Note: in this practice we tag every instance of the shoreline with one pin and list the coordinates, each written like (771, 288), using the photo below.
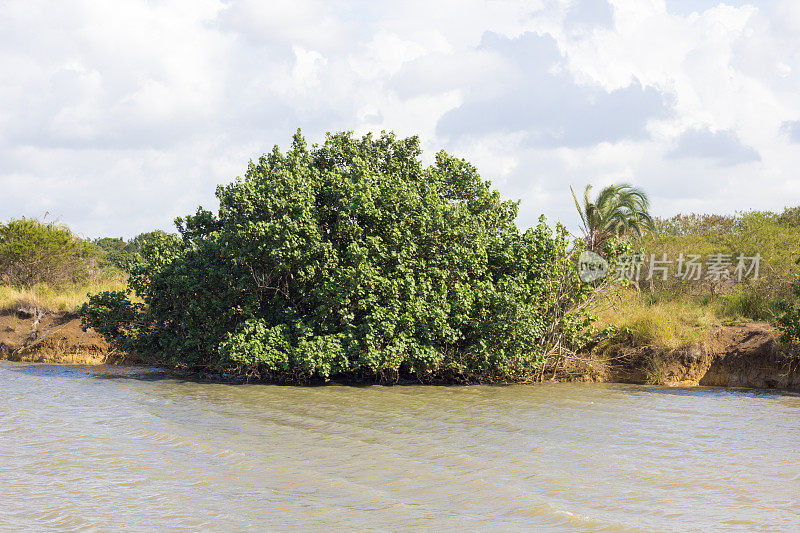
(55, 338)
(746, 355)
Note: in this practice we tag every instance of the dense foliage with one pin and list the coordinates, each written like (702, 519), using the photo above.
(34, 252)
(775, 237)
(352, 259)
(789, 314)
(617, 211)
(121, 253)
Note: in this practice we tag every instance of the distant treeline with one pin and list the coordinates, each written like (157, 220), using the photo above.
(34, 252)
(709, 224)
(121, 253)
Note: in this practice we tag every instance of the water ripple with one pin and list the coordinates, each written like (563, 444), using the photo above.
(126, 449)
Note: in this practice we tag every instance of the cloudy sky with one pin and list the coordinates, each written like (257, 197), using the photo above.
(118, 116)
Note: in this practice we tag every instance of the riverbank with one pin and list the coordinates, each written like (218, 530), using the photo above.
(27, 334)
(743, 355)
(740, 355)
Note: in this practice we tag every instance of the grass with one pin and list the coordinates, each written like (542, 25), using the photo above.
(745, 305)
(669, 314)
(671, 321)
(649, 321)
(67, 298)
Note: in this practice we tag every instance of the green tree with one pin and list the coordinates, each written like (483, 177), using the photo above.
(120, 253)
(34, 252)
(616, 211)
(110, 244)
(137, 243)
(352, 259)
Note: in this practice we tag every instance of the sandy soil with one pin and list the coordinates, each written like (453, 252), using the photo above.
(745, 355)
(54, 338)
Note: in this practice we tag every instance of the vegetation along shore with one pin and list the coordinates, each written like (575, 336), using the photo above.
(352, 261)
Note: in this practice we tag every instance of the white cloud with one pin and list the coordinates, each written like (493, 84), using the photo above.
(722, 146)
(120, 116)
(303, 76)
(791, 128)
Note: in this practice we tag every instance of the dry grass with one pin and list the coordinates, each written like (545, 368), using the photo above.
(667, 324)
(67, 298)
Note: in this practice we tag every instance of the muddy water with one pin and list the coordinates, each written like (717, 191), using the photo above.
(131, 449)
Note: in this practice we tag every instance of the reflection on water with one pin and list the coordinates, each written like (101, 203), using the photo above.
(133, 449)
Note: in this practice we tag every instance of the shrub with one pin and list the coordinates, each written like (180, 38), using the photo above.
(34, 252)
(773, 236)
(119, 253)
(788, 319)
(110, 244)
(353, 259)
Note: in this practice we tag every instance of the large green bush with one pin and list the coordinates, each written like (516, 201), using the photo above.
(352, 259)
(34, 252)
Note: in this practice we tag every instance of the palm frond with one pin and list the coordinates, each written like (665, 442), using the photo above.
(616, 210)
(580, 211)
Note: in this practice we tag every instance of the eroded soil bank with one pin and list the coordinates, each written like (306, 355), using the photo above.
(747, 355)
(53, 338)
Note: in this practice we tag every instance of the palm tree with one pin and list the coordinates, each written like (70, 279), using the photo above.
(617, 210)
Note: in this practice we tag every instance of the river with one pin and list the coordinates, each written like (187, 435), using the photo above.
(132, 449)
